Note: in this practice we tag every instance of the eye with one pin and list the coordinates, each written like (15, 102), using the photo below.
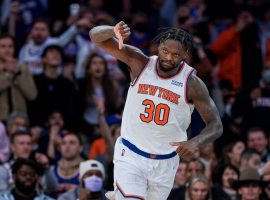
(165, 51)
(176, 55)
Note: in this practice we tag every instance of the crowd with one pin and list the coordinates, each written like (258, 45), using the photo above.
(61, 97)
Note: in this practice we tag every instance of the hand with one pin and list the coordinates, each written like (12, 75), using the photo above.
(100, 105)
(36, 133)
(121, 31)
(83, 23)
(42, 159)
(85, 194)
(10, 65)
(187, 150)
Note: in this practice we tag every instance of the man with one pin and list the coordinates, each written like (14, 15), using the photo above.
(257, 139)
(17, 121)
(55, 93)
(21, 148)
(16, 83)
(92, 175)
(66, 170)
(30, 53)
(26, 175)
(162, 95)
(249, 186)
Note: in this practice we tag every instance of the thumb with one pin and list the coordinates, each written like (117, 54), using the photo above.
(120, 43)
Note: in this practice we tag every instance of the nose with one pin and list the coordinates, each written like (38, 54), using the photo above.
(169, 56)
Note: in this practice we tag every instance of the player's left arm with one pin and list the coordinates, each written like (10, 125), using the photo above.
(198, 94)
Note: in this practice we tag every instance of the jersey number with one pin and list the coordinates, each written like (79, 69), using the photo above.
(160, 112)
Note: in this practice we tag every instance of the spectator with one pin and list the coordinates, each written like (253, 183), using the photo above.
(66, 170)
(26, 174)
(21, 148)
(16, 83)
(194, 167)
(250, 158)
(181, 175)
(55, 93)
(39, 39)
(257, 139)
(95, 88)
(92, 175)
(198, 188)
(224, 177)
(232, 152)
(4, 144)
(237, 50)
(249, 185)
(17, 121)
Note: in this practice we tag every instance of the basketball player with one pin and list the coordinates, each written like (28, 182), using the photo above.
(161, 97)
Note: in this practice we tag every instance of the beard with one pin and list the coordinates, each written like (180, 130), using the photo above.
(25, 189)
(165, 69)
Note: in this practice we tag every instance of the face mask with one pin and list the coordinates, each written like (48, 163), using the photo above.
(266, 76)
(93, 183)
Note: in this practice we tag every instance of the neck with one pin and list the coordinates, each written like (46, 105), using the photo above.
(51, 71)
(166, 72)
(71, 162)
(96, 81)
(21, 193)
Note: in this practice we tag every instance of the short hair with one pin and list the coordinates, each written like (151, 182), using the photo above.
(247, 153)
(177, 34)
(16, 114)
(74, 134)
(40, 20)
(19, 132)
(5, 35)
(256, 129)
(31, 163)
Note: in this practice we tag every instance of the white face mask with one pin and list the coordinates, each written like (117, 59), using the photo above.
(93, 183)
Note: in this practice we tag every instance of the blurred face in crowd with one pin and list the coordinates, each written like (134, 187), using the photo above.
(198, 191)
(97, 67)
(228, 175)
(70, 147)
(53, 58)
(250, 191)
(207, 150)
(56, 119)
(21, 146)
(90, 173)
(6, 48)
(25, 179)
(17, 123)
(235, 154)
(257, 140)
(180, 176)
(253, 162)
(40, 32)
(193, 168)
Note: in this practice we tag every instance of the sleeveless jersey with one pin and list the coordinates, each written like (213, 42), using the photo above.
(157, 111)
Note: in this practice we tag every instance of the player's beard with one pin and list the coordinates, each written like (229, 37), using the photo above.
(165, 69)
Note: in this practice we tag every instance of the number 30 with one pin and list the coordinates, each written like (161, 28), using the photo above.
(153, 112)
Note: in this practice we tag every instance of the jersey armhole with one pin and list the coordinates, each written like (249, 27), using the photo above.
(141, 72)
(186, 86)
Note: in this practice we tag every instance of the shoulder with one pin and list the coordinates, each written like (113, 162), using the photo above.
(196, 87)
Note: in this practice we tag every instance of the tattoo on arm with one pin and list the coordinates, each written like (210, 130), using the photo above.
(199, 95)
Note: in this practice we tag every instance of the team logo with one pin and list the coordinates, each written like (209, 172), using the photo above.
(123, 152)
(179, 84)
(153, 156)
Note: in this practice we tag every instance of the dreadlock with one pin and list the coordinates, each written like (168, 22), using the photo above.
(177, 34)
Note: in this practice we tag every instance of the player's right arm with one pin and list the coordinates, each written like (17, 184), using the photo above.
(111, 40)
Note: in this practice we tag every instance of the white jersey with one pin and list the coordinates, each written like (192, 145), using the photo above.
(157, 111)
